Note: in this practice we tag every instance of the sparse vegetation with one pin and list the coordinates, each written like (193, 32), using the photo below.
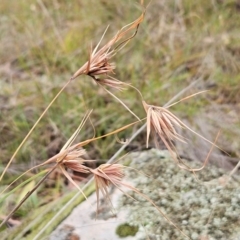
(44, 43)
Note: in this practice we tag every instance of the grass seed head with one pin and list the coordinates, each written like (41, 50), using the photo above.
(111, 82)
(109, 173)
(99, 59)
(105, 175)
(163, 122)
(74, 160)
(71, 153)
(76, 166)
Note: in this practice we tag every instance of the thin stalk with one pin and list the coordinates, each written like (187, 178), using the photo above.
(122, 103)
(135, 89)
(235, 169)
(31, 130)
(162, 213)
(27, 196)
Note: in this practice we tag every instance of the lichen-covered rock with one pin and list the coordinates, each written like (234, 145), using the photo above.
(203, 205)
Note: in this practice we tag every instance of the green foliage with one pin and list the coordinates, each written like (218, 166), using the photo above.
(125, 230)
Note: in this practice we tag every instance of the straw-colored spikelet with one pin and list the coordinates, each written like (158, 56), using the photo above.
(74, 161)
(72, 158)
(163, 123)
(105, 175)
(99, 59)
(111, 82)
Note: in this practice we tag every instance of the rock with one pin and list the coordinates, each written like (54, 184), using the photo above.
(199, 204)
(196, 203)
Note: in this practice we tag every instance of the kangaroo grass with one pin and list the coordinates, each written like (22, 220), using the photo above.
(68, 157)
(111, 160)
(159, 120)
(98, 64)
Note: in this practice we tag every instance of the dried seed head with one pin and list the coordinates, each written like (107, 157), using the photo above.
(109, 173)
(97, 64)
(71, 153)
(163, 122)
(76, 166)
(105, 175)
(72, 158)
(99, 60)
(111, 82)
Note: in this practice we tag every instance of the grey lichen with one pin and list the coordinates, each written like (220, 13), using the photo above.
(200, 204)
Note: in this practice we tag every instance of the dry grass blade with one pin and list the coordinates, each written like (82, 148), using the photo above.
(207, 158)
(27, 196)
(66, 174)
(185, 98)
(122, 103)
(67, 157)
(31, 130)
(81, 144)
(74, 135)
(161, 212)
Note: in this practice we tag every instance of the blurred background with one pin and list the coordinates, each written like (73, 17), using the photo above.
(42, 43)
